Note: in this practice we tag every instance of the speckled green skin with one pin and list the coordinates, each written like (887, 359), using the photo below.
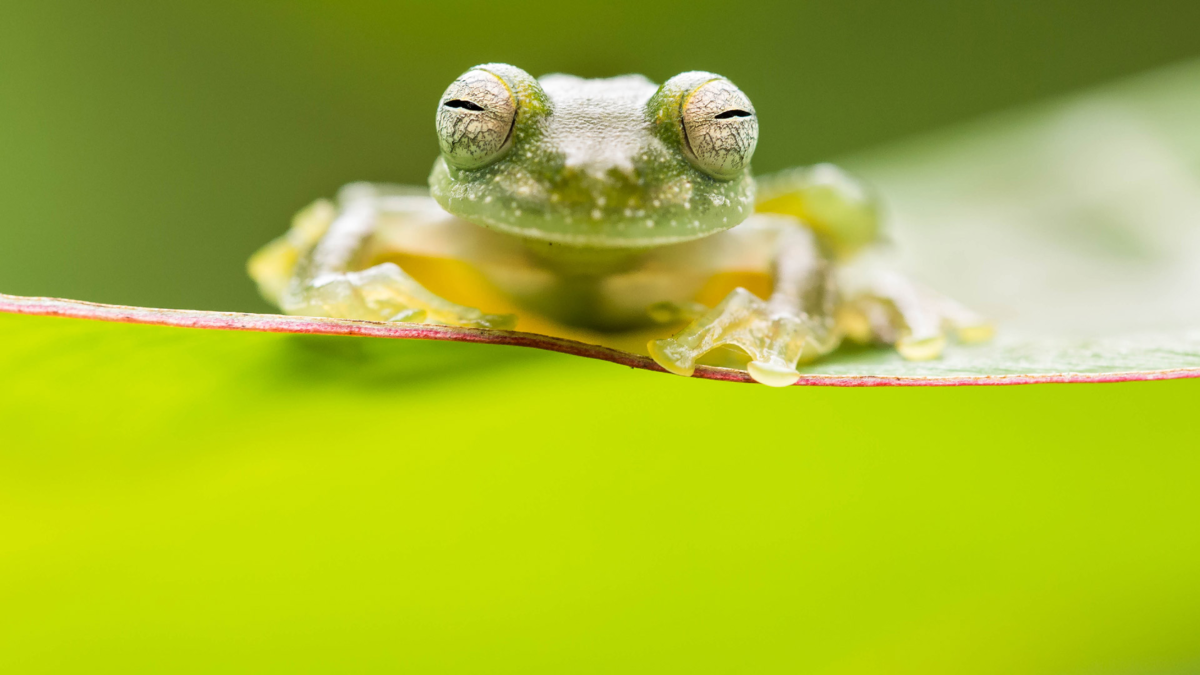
(595, 166)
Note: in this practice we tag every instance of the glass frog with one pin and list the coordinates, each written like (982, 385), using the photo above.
(612, 205)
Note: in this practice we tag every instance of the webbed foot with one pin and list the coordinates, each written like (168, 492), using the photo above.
(383, 293)
(777, 340)
(893, 310)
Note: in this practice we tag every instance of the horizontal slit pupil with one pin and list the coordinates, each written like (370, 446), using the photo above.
(732, 113)
(466, 105)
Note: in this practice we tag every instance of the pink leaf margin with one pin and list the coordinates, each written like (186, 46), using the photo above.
(304, 325)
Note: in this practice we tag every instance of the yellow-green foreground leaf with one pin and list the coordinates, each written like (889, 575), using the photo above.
(1007, 361)
(178, 500)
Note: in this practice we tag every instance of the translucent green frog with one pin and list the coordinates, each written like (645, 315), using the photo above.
(611, 205)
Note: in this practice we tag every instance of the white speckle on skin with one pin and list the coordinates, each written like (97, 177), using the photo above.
(649, 223)
(597, 214)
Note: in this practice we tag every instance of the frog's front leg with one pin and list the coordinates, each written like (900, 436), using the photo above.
(316, 269)
(878, 304)
(805, 317)
(795, 324)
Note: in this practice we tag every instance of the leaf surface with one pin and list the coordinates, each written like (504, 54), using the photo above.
(1155, 357)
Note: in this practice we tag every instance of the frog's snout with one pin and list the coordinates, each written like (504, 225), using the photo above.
(598, 188)
(603, 152)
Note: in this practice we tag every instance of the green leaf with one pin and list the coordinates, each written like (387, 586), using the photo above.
(176, 500)
(1004, 361)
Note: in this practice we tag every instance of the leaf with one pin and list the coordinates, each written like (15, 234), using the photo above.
(176, 500)
(1002, 362)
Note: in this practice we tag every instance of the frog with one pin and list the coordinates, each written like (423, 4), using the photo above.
(612, 205)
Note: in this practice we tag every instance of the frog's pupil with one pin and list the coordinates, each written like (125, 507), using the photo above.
(466, 105)
(732, 113)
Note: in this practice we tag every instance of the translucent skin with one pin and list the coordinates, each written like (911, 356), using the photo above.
(609, 204)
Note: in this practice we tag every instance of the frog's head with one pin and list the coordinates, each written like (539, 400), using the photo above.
(595, 163)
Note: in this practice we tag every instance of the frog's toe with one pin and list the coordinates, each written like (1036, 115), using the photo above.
(726, 324)
(385, 293)
(473, 318)
(776, 341)
(968, 326)
(773, 373)
(672, 355)
(912, 318)
(337, 296)
(921, 349)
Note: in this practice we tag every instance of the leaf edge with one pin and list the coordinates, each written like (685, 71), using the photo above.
(304, 325)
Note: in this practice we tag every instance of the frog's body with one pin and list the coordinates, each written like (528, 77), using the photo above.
(611, 204)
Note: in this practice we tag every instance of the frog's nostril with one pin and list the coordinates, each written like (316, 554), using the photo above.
(732, 113)
(465, 105)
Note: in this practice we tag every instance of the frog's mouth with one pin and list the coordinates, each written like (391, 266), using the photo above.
(616, 208)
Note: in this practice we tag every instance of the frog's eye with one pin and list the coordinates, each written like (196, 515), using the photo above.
(720, 129)
(475, 120)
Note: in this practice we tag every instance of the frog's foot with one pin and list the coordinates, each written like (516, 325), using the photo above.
(273, 265)
(893, 310)
(384, 293)
(777, 340)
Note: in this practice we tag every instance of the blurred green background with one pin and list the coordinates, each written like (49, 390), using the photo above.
(189, 501)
